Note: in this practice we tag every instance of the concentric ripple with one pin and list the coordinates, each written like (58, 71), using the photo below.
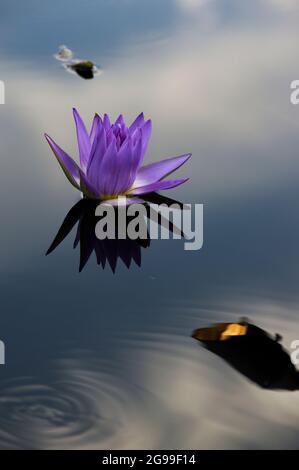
(82, 408)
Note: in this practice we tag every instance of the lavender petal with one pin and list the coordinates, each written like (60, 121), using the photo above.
(156, 171)
(157, 186)
(69, 167)
(84, 144)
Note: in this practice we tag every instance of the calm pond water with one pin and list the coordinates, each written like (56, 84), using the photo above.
(101, 360)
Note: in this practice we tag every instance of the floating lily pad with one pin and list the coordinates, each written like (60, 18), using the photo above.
(253, 352)
(85, 69)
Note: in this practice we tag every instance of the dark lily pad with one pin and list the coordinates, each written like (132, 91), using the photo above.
(253, 352)
(85, 69)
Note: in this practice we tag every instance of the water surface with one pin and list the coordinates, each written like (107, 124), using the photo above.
(102, 360)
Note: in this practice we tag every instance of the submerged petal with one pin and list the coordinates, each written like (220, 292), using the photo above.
(69, 167)
(157, 186)
(156, 171)
(84, 144)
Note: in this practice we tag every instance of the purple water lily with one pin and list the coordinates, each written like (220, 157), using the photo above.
(111, 157)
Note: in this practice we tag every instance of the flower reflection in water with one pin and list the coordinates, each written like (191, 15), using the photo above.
(253, 352)
(107, 251)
